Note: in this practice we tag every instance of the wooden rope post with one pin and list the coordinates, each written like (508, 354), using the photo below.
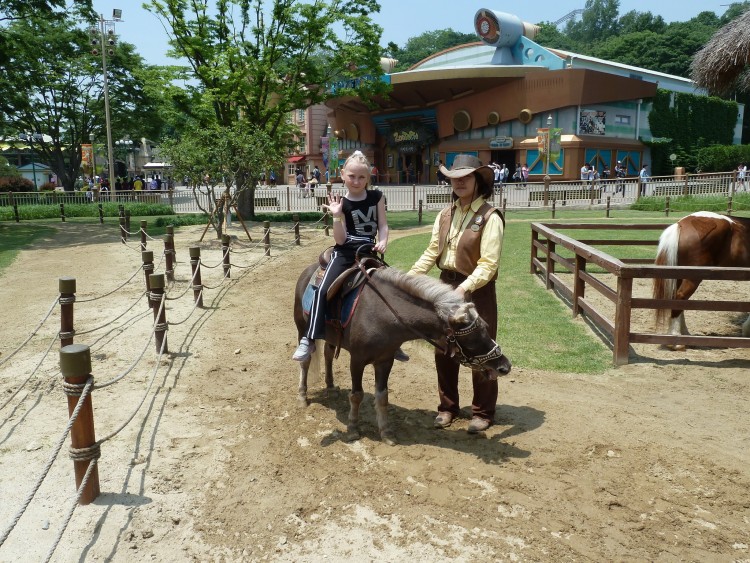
(144, 224)
(419, 212)
(267, 237)
(75, 365)
(195, 269)
(227, 267)
(123, 230)
(170, 231)
(169, 256)
(121, 210)
(609, 202)
(160, 331)
(295, 218)
(729, 205)
(666, 206)
(62, 212)
(126, 213)
(554, 202)
(326, 228)
(101, 214)
(505, 204)
(67, 287)
(147, 256)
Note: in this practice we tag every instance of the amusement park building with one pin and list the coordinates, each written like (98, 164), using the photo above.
(489, 98)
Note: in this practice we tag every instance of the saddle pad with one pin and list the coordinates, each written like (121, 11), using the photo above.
(347, 307)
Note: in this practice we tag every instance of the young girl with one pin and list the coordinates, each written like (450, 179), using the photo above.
(357, 217)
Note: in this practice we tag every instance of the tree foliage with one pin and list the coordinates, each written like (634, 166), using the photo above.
(259, 61)
(426, 44)
(51, 84)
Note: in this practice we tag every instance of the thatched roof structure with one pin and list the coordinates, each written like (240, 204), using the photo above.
(722, 65)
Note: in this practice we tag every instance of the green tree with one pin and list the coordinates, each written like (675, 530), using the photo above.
(599, 21)
(428, 43)
(52, 85)
(633, 22)
(259, 61)
(217, 158)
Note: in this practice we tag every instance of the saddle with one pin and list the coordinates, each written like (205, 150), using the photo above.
(342, 296)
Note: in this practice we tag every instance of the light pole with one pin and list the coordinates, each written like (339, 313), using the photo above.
(127, 145)
(106, 40)
(30, 137)
(546, 159)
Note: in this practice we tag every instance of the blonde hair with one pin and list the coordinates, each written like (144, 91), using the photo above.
(357, 157)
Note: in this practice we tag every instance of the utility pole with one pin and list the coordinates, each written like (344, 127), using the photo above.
(106, 40)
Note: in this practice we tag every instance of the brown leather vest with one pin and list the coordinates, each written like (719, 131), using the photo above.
(468, 248)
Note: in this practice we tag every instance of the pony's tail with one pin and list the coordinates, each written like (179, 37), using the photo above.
(313, 371)
(666, 255)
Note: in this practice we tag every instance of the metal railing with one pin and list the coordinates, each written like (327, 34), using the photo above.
(431, 197)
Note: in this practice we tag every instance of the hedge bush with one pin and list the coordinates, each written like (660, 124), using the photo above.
(16, 184)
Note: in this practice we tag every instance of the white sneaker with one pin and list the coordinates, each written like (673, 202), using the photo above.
(304, 350)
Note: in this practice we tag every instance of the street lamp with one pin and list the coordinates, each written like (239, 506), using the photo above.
(30, 138)
(127, 145)
(106, 41)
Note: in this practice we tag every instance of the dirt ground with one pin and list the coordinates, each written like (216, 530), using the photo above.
(646, 462)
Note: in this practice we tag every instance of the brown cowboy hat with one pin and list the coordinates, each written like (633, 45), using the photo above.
(465, 164)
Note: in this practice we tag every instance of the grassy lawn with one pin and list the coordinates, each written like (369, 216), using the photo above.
(14, 237)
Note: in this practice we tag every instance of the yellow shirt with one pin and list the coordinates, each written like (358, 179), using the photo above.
(490, 247)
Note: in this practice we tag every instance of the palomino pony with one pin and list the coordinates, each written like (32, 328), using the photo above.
(700, 239)
(393, 308)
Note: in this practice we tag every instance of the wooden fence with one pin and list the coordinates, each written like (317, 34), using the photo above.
(548, 262)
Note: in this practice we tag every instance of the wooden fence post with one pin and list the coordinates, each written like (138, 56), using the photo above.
(621, 335)
(295, 218)
(126, 213)
(62, 212)
(168, 255)
(195, 268)
(420, 212)
(554, 202)
(144, 224)
(729, 205)
(67, 288)
(666, 206)
(267, 237)
(609, 198)
(101, 214)
(160, 331)
(505, 204)
(170, 231)
(75, 365)
(227, 264)
(147, 257)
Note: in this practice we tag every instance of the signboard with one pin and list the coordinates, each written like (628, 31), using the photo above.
(87, 155)
(501, 143)
(592, 122)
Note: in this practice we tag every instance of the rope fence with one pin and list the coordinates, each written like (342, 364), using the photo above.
(75, 362)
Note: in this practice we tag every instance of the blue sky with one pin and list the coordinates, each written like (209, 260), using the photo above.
(402, 19)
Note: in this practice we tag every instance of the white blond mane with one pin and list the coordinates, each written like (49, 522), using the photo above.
(424, 287)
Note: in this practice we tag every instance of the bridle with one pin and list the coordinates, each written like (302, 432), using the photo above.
(452, 336)
(476, 362)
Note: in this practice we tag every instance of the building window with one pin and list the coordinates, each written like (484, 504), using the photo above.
(300, 116)
(622, 119)
(302, 144)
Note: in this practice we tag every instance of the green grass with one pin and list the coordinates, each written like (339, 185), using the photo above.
(536, 329)
(16, 236)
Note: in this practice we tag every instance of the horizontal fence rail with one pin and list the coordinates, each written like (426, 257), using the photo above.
(283, 198)
(548, 262)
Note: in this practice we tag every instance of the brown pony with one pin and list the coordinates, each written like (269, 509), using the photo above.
(392, 309)
(700, 239)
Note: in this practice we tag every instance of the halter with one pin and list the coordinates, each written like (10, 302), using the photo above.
(472, 361)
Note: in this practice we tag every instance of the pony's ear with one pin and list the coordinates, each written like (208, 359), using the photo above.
(464, 314)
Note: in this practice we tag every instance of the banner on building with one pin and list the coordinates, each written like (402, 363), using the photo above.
(592, 122)
(542, 137)
(555, 135)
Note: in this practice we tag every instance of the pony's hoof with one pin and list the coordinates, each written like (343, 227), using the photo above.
(302, 402)
(389, 439)
(352, 435)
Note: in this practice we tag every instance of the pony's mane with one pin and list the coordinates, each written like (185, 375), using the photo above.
(424, 287)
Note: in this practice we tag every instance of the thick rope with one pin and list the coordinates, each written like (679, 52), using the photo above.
(87, 388)
(115, 289)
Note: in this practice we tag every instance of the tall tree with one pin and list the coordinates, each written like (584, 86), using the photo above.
(52, 85)
(259, 61)
(599, 21)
